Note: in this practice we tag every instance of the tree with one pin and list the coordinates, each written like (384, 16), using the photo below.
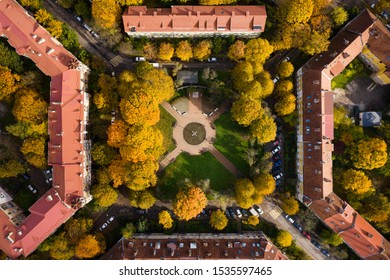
(356, 182)
(253, 221)
(202, 50)
(369, 153)
(117, 133)
(66, 3)
(150, 50)
(34, 4)
(38, 161)
(245, 110)
(104, 195)
(106, 13)
(24, 130)
(218, 220)
(11, 168)
(263, 129)
(165, 51)
(339, 16)
(88, 247)
(9, 58)
(264, 183)
(290, 205)
(77, 228)
(83, 9)
(8, 83)
(257, 51)
(246, 193)
(59, 247)
(284, 239)
(284, 87)
(103, 176)
(165, 219)
(129, 2)
(237, 50)
(117, 170)
(33, 146)
(159, 85)
(142, 199)
(141, 175)
(54, 27)
(316, 42)
(128, 231)
(184, 51)
(142, 143)
(102, 154)
(331, 238)
(267, 85)
(285, 69)
(253, 90)
(43, 16)
(106, 97)
(189, 202)
(29, 107)
(296, 11)
(286, 105)
(242, 75)
(376, 208)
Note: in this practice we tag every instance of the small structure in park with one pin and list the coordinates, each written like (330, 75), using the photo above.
(188, 77)
(369, 119)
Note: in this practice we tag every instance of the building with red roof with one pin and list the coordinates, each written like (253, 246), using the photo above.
(195, 246)
(68, 147)
(360, 37)
(189, 21)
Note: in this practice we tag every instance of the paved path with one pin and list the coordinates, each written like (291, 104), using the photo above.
(195, 114)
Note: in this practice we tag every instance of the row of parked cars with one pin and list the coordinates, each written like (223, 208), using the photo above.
(106, 223)
(277, 169)
(307, 235)
(86, 26)
(239, 213)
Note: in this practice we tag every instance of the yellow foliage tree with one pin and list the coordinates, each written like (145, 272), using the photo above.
(284, 239)
(60, 249)
(218, 220)
(356, 182)
(54, 27)
(285, 69)
(129, 2)
(189, 203)
(117, 169)
(142, 175)
(290, 205)
(246, 193)
(286, 105)
(369, 154)
(257, 51)
(263, 129)
(150, 50)
(117, 133)
(8, 83)
(43, 16)
(242, 75)
(104, 195)
(142, 199)
(88, 247)
(202, 50)
(296, 11)
(140, 109)
(283, 87)
(166, 51)
(158, 84)
(33, 146)
(237, 50)
(253, 221)
(165, 219)
(267, 85)
(29, 107)
(184, 50)
(264, 183)
(106, 13)
(245, 110)
(11, 168)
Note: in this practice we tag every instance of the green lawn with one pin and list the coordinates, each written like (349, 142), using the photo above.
(165, 125)
(355, 69)
(195, 168)
(231, 140)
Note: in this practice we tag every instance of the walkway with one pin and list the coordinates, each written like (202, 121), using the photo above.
(194, 114)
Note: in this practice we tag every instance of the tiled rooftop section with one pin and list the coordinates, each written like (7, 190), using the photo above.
(195, 19)
(195, 246)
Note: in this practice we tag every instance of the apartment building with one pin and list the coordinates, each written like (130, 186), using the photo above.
(194, 21)
(68, 147)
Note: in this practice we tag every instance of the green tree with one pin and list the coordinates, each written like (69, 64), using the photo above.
(202, 50)
(104, 195)
(285, 69)
(89, 247)
(285, 105)
(59, 247)
(369, 153)
(24, 130)
(83, 9)
(245, 110)
(284, 239)
(165, 219)
(102, 154)
(66, 3)
(339, 16)
(237, 50)
(290, 205)
(189, 202)
(331, 238)
(184, 50)
(8, 83)
(106, 13)
(263, 129)
(356, 182)
(165, 51)
(218, 220)
(77, 228)
(142, 199)
(9, 58)
(128, 231)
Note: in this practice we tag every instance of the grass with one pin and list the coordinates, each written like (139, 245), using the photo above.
(231, 140)
(194, 133)
(195, 168)
(25, 199)
(355, 69)
(165, 125)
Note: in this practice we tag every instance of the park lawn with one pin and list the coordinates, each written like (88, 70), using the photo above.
(195, 168)
(165, 125)
(355, 69)
(232, 141)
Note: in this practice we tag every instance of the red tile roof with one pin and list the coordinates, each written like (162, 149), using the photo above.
(68, 111)
(195, 19)
(315, 148)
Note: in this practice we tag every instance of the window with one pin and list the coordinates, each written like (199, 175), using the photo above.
(309, 111)
(132, 29)
(256, 27)
(309, 96)
(307, 120)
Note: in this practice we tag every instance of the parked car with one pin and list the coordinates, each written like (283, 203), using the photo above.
(112, 218)
(227, 213)
(258, 209)
(315, 243)
(212, 59)
(244, 212)
(277, 142)
(238, 212)
(276, 157)
(286, 59)
(291, 220)
(26, 176)
(253, 212)
(276, 170)
(232, 213)
(78, 18)
(87, 27)
(306, 234)
(32, 189)
(278, 176)
(325, 252)
(298, 227)
(277, 149)
(275, 79)
(94, 34)
(140, 58)
(278, 163)
(103, 226)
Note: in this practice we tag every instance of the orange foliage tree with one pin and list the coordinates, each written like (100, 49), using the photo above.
(189, 202)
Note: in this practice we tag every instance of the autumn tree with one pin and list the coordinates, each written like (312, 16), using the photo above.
(66, 3)
(29, 107)
(285, 69)
(296, 11)
(257, 51)
(376, 208)
(150, 50)
(369, 153)
(142, 199)
(142, 143)
(43, 16)
(245, 110)
(102, 154)
(356, 182)
(253, 221)
(246, 193)
(189, 202)
(267, 85)
(60, 248)
(283, 88)
(106, 97)
(284, 239)
(202, 50)
(141, 175)
(8, 83)
(165, 219)
(117, 133)
(237, 50)
(54, 27)
(339, 16)
(263, 129)
(89, 247)
(331, 238)
(34, 4)
(184, 50)
(106, 13)
(264, 183)
(159, 85)
(104, 195)
(285, 105)
(77, 228)
(128, 231)
(218, 220)
(290, 205)
(165, 51)
(117, 170)
(103, 176)
(316, 42)
(129, 2)
(34, 151)
(242, 75)
(11, 168)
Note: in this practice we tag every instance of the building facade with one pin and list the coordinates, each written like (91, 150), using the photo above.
(194, 21)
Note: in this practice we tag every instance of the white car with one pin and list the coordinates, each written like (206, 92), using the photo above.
(277, 177)
(111, 219)
(239, 214)
(32, 189)
(140, 58)
(275, 79)
(286, 59)
(103, 226)
(277, 149)
(212, 59)
(258, 209)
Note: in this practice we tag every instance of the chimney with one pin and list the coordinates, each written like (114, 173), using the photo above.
(155, 13)
(140, 14)
(197, 13)
(233, 13)
(189, 13)
(247, 13)
(49, 198)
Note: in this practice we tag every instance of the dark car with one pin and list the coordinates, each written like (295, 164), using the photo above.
(276, 170)
(315, 243)
(276, 157)
(278, 163)
(325, 252)
(295, 224)
(26, 176)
